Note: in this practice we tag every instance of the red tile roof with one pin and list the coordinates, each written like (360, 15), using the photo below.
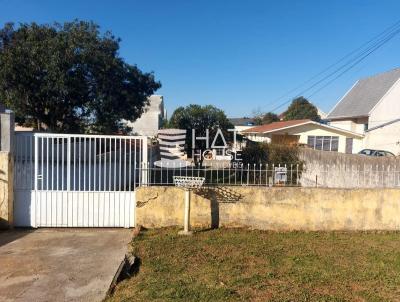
(275, 126)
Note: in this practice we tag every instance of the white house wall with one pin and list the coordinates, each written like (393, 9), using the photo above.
(386, 138)
(387, 109)
(356, 125)
(345, 125)
(151, 120)
(313, 130)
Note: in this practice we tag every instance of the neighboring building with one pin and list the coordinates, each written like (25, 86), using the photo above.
(242, 123)
(19, 128)
(306, 132)
(372, 108)
(322, 114)
(151, 120)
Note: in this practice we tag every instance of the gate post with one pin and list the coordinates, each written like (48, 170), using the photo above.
(6, 190)
(7, 170)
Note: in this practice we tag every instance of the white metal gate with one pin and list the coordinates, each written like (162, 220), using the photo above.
(77, 180)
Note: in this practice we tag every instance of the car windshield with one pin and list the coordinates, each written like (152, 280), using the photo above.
(366, 152)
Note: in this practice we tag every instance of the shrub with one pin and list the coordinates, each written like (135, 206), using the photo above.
(265, 153)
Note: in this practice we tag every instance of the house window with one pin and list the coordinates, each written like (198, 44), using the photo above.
(326, 143)
(366, 127)
(335, 143)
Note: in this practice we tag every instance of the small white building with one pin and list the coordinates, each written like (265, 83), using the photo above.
(308, 133)
(372, 108)
(242, 123)
(151, 120)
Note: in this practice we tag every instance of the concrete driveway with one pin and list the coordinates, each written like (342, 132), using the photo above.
(60, 264)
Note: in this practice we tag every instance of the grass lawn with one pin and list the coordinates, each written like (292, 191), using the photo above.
(244, 265)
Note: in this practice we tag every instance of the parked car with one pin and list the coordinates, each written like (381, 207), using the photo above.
(371, 152)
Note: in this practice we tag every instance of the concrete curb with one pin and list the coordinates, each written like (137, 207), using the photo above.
(125, 267)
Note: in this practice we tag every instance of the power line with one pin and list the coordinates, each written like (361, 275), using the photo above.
(354, 64)
(378, 41)
(367, 51)
(338, 61)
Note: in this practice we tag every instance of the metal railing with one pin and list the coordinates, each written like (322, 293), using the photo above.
(226, 175)
(72, 162)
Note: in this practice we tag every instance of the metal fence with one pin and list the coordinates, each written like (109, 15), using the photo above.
(220, 175)
(278, 175)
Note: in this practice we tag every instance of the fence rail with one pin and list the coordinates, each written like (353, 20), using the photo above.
(277, 175)
(246, 175)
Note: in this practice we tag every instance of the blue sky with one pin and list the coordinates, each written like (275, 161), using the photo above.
(237, 55)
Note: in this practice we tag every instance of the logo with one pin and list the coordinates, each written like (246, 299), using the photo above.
(215, 151)
(203, 148)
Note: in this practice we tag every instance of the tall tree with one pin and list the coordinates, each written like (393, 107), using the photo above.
(269, 118)
(301, 108)
(70, 78)
(200, 118)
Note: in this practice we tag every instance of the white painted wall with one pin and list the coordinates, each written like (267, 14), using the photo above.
(151, 120)
(354, 125)
(387, 109)
(385, 138)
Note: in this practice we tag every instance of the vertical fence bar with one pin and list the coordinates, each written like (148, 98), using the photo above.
(84, 164)
(47, 164)
(79, 163)
(248, 175)
(62, 164)
(134, 166)
(145, 160)
(94, 163)
(35, 175)
(90, 164)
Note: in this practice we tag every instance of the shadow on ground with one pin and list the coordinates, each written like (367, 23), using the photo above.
(218, 195)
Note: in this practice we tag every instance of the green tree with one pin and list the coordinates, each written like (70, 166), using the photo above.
(301, 108)
(265, 118)
(70, 78)
(269, 118)
(267, 153)
(200, 118)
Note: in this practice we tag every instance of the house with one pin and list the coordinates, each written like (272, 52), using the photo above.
(372, 108)
(151, 120)
(242, 123)
(306, 132)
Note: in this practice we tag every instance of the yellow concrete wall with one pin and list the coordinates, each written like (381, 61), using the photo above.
(277, 209)
(6, 190)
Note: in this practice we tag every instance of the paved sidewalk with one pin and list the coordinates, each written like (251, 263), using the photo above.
(60, 264)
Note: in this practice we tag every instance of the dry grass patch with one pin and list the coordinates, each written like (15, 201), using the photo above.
(245, 265)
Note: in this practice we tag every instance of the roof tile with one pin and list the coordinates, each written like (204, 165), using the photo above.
(275, 126)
